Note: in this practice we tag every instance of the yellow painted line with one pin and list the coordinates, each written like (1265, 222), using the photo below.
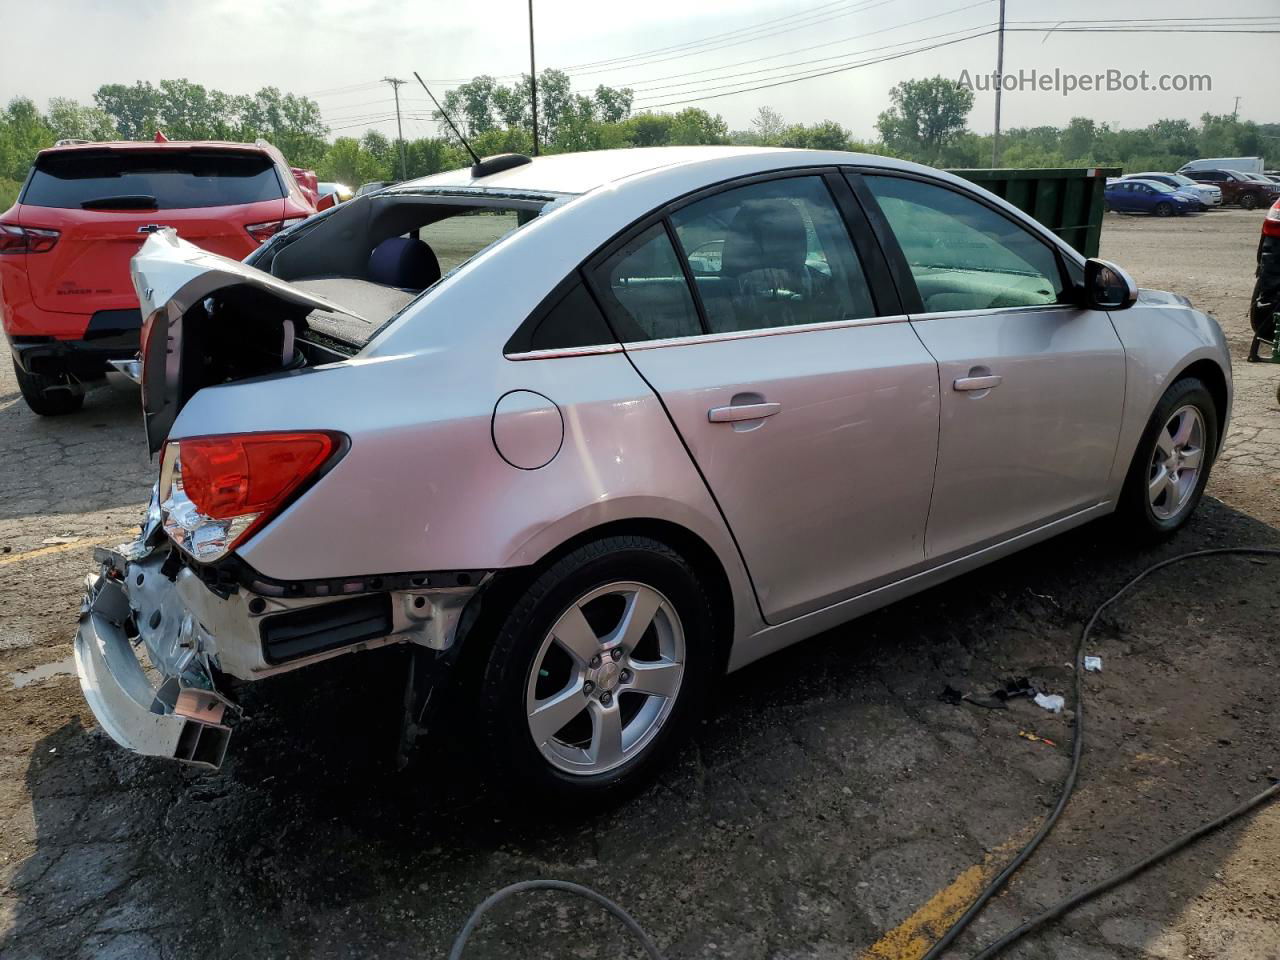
(912, 938)
(53, 548)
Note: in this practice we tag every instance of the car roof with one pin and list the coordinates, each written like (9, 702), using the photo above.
(577, 173)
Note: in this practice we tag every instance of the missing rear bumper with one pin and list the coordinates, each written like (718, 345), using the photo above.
(173, 720)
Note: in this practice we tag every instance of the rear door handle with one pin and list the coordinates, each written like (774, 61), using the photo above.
(978, 383)
(742, 411)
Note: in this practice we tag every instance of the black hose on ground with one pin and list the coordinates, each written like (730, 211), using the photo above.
(1068, 786)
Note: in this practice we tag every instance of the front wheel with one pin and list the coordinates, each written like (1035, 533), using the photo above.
(1249, 201)
(1171, 465)
(599, 670)
(1163, 209)
(49, 396)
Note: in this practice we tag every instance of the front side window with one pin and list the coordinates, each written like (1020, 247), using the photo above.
(772, 254)
(962, 254)
(644, 290)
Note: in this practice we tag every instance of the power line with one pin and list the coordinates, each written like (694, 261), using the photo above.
(838, 56)
(708, 48)
(819, 73)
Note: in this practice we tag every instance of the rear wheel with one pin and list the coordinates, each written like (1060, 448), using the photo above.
(1163, 208)
(598, 671)
(49, 396)
(1171, 465)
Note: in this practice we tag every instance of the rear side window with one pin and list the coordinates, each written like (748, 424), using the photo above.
(772, 254)
(151, 180)
(962, 254)
(644, 289)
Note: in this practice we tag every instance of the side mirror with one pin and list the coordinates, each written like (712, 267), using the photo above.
(1107, 287)
(327, 201)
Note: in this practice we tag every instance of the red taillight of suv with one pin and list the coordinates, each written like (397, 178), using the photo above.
(262, 232)
(215, 492)
(16, 239)
(1271, 225)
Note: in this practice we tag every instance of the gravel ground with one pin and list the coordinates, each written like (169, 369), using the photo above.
(831, 805)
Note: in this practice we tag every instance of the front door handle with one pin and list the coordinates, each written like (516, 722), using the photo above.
(978, 383)
(742, 411)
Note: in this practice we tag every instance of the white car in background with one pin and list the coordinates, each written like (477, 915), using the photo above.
(1206, 193)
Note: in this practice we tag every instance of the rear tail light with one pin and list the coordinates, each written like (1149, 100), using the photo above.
(1271, 225)
(16, 239)
(262, 232)
(216, 492)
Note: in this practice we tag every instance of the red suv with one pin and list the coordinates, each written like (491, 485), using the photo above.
(66, 298)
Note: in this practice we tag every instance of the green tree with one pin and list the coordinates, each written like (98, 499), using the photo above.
(827, 135)
(135, 109)
(925, 115)
(70, 121)
(693, 125)
(23, 133)
(768, 127)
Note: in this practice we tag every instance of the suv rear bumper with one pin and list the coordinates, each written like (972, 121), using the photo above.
(108, 335)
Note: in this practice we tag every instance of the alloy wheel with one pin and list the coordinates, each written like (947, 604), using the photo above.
(605, 678)
(1176, 463)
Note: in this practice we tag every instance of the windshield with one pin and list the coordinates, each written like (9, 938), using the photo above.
(151, 179)
(1159, 187)
(1182, 181)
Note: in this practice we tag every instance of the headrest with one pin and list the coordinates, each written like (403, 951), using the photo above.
(765, 233)
(403, 262)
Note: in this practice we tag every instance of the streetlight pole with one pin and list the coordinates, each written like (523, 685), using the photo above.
(395, 85)
(533, 82)
(995, 138)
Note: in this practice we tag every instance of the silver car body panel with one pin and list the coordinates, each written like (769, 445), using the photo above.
(425, 487)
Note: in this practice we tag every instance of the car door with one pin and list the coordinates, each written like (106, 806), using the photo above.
(1120, 197)
(1032, 385)
(800, 390)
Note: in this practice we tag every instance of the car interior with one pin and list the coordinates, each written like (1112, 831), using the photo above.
(376, 254)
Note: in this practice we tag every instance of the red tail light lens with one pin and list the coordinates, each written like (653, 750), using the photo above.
(16, 239)
(215, 492)
(262, 232)
(1271, 225)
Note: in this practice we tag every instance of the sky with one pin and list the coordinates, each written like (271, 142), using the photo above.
(672, 52)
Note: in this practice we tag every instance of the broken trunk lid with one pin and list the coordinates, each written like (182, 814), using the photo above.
(175, 281)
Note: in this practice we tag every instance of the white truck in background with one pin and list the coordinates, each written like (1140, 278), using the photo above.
(1242, 164)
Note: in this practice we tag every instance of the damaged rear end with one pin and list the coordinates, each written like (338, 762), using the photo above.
(174, 620)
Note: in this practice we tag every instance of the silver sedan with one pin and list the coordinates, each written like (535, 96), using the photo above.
(609, 425)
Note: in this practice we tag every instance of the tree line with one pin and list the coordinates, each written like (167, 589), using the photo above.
(926, 120)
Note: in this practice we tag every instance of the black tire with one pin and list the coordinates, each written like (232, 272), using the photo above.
(1106, 207)
(48, 396)
(1135, 508)
(516, 759)
(1249, 201)
(1163, 208)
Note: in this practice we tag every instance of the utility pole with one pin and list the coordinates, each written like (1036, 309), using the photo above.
(533, 82)
(995, 138)
(395, 85)
(1236, 111)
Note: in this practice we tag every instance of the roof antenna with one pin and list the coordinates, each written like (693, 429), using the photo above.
(452, 126)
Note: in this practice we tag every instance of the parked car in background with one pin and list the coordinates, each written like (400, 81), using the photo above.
(307, 183)
(1149, 196)
(373, 185)
(340, 191)
(1208, 194)
(66, 299)
(1272, 175)
(1243, 164)
(674, 409)
(1238, 188)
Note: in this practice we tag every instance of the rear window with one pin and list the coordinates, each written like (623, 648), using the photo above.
(159, 180)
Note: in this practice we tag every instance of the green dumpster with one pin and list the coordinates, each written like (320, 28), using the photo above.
(1067, 200)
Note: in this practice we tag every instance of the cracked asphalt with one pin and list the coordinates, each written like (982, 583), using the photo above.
(830, 806)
